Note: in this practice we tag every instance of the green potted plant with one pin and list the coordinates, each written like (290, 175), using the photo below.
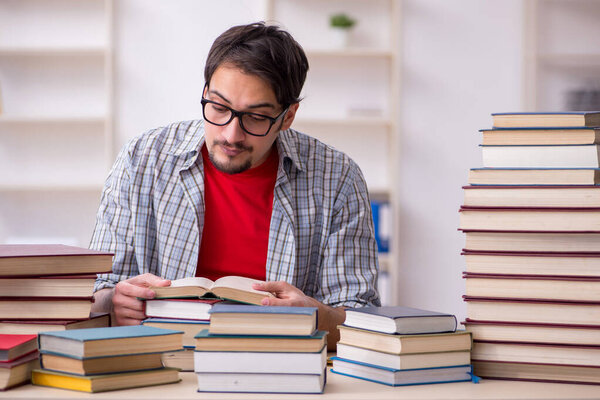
(341, 25)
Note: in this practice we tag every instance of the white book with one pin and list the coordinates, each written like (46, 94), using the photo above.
(403, 361)
(551, 156)
(260, 362)
(261, 383)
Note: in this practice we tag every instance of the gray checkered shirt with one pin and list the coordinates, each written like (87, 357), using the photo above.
(321, 236)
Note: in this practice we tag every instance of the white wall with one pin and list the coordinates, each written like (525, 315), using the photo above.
(461, 62)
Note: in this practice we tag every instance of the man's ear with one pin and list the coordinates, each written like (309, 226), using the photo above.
(289, 116)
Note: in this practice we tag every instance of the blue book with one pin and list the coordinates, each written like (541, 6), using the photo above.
(400, 320)
(546, 119)
(240, 319)
(119, 340)
(381, 224)
(407, 377)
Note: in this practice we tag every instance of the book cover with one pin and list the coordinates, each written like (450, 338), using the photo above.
(18, 372)
(214, 342)
(100, 365)
(52, 259)
(189, 327)
(395, 377)
(546, 119)
(104, 382)
(96, 342)
(48, 286)
(531, 242)
(551, 373)
(540, 136)
(401, 320)
(59, 308)
(34, 326)
(15, 346)
(534, 176)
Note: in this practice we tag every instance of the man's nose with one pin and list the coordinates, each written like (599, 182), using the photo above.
(233, 132)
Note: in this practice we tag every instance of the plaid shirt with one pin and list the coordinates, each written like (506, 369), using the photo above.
(321, 237)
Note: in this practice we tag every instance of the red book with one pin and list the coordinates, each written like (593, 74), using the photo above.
(15, 346)
(52, 259)
(17, 372)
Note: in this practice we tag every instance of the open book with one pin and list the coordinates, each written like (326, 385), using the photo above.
(236, 288)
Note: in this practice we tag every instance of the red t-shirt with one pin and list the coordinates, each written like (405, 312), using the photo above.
(237, 217)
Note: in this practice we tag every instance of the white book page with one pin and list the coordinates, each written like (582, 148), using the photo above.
(193, 281)
(238, 282)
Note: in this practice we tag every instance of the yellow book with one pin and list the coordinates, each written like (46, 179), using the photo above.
(105, 382)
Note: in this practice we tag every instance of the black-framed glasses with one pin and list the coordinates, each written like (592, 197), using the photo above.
(252, 123)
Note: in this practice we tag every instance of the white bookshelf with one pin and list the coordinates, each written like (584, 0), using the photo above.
(561, 51)
(351, 96)
(56, 102)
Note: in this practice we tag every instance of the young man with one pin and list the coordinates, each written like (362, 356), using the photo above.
(240, 193)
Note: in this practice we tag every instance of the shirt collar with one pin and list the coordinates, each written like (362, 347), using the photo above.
(287, 147)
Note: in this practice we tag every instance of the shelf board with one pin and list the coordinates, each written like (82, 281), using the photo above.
(33, 119)
(53, 51)
(354, 121)
(570, 60)
(350, 52)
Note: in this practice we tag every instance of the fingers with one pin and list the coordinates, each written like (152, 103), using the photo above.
(273, 286)
(148, 280)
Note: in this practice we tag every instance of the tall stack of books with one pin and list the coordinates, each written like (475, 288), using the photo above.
(185, 306)
(401, 346)
(532, 222)
(18, 357)
(49, 287)
(102, 359)
(261, 349)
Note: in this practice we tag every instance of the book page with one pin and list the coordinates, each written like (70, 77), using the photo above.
(204, 283)
(238, 282)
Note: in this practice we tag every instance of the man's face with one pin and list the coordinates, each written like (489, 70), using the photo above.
(231, 149)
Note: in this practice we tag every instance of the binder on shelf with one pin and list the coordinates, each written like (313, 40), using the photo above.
(382, 224)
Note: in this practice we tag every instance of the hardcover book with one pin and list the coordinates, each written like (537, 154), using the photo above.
(18, 372)
(35, 326)
(193, 309)
(236, 288)
(260, 362)
(100, 365)
(404, 344)
(403, 361)
(242, 319)
(530, 219)
(15, 346)
(546, 119)
(189, 327)
(543, 264)
(104, 382)
(534, 332)
(48, 286)
(206, 341)
(59, 308)
(540, 136)
(534, 176)
(396, 377)
(532, 242)
(261, 383)
(532, 196)
(554, 373)
(119, 340)
(52, 259)
(533, 311)
(401, 320)
(550, 156)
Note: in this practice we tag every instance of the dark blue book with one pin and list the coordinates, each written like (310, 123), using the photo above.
(241, 319)
(400, 320)
(406, 377)
(546, 119)
(118, 340)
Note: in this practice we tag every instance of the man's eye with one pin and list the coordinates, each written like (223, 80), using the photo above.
(220, 109)
(257, 118)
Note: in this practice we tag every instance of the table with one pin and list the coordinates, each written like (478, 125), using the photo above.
(338, 387)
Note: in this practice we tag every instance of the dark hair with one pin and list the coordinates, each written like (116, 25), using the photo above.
(266, 51)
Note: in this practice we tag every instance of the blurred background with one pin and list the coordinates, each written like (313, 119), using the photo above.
(403, 90)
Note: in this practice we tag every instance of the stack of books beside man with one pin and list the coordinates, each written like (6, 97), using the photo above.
(185, 306)
(49, 287)
(102, 359)
(250, 348)
(18, 357)
(400, 346)
(532, 222)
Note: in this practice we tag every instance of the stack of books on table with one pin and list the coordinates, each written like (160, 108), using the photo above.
(49, 287)
(250, 348)
(400, 346)
(185, 306)
(102, 359)
(532, 224)
(18, 357)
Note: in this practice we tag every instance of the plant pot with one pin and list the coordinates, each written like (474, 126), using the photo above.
(339, 37)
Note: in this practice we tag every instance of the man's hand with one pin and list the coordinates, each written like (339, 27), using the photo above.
(128, 309)
(288, 295)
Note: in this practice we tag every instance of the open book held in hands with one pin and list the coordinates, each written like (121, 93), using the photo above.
(236, 288)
